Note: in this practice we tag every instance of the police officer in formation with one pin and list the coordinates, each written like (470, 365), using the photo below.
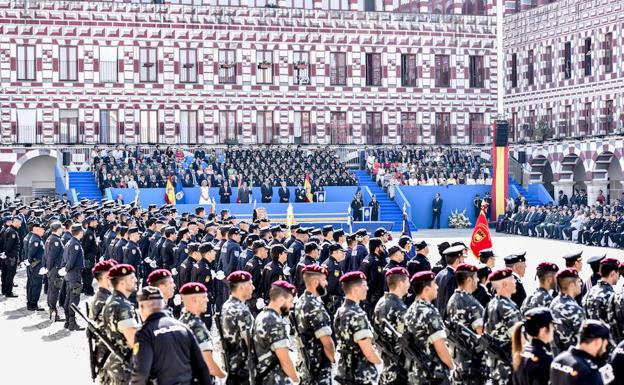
(365, 312)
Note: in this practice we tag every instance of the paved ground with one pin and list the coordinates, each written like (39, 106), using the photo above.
(39, 351)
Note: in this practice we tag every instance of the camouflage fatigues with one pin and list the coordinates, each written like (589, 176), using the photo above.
(118, 315)
(269, 334)
(198, 327)
(615, 315)
(566, 310)
(95, 313)
(236, 322)
(596, 302)
(313, 322)
(351, 325)
(501, 315)
(540, 297)
(391, 308)
(424, 326)
(466, 310)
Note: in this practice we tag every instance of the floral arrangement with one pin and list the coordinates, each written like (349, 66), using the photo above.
(301, 65)
(264, 64)
(226, 65)
(459, 220)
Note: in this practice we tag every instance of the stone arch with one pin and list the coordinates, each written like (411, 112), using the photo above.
(542, 171)
(35, 172)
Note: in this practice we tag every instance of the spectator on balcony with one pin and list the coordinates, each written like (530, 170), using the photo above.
(374, 205)
(225, 192)
(562, 200)
(204, 193)
(601, 198)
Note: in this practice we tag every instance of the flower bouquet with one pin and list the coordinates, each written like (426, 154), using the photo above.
(459, 220)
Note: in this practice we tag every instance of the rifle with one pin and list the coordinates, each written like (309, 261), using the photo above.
(411, 352)
(93, 329)
(493, 346)
(251, 360)
(385, 347)
(305, 359)
(462, 338)
(93, 364)
(226, 366)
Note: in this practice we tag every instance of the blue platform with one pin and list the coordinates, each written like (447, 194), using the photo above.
(85, 185)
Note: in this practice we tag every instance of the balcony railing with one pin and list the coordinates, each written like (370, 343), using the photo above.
(26, 70)
(108, 71)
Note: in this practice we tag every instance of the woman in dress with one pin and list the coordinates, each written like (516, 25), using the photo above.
(204, 193)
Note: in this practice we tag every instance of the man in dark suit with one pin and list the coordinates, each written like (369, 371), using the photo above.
(436, 210)
(267, 191)
(284, 193)
(244, 193)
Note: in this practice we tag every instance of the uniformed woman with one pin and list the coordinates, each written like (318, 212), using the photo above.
(531, 360)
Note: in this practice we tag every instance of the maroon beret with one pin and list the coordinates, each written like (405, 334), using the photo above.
(397, 270)
(315, 269)
(238, 276)
(193, 288)
(622, 268)
(120, 270)
(103, 266)
(286, 286)
(499, 274)
(547, 267)
(423, 276)
(353, 276)
(610, 261)
(466, 267)
(157, 275)
(570, 272)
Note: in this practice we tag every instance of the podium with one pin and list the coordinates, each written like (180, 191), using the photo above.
(319, 196)
(366, 213)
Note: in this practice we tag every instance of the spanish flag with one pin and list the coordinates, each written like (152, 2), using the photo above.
(170, 193)
(481, 238)
(307, 186)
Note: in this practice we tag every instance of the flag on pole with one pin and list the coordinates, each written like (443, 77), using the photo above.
(238, 186)
(170, 193)
(307, 186)
(213, 206)
(179, 192)
(481, 238)
(405, 230)
(290, 216)
(350, 220)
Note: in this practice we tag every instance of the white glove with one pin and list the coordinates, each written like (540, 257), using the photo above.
(43, 271)
(293, 382)
(379, 368)
(260, 304)
(286, 270)
(62, 272)
(26, 263)
(213, 274)
(101, 259)
(153, 264)
(148, 260)
(220, 275)
(174, 271)
(3, 256)
(177, 300)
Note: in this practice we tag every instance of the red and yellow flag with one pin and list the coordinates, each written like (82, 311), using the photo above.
(307, 186)
(481, 238)
(170, 193)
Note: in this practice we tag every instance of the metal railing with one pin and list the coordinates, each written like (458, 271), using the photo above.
(108, 71)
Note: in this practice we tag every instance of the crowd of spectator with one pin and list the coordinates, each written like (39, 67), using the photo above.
(133, 167)
(427, 166)
(572, 219)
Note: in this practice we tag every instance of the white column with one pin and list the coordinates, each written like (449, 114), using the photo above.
(593, 188)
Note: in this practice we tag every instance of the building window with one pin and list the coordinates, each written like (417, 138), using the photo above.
(587, 57)
(473, 7)
(108, 126)
(374, 128)
(586, 124)
(514, 126)
(148, 65)
(478, 129)
(338, 127)
(338, 69)
(265, 129)
(373, 69)
(609, 121)
(68, 127)
(227, 66)
(443, 130)
(306, 4)
(27, 126)
(339, 5)
(369, 5)
(302, 127)
(25, 62)
(188, 127)
(188, 65)
(608, 55)
(227, 126)
(441, 7)
(408, 70)
(514, 70)
(567, 60)
(443, 70)
(264, 73)
(530, 68)
(409, 129)
(477, 72)
(531, 125)
(68, 63)
(108, 64)
(548, 72)
(301, 66)
(148, 132)
(231, 3)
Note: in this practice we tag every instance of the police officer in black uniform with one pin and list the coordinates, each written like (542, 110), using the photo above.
(73, 263)
(186, 267)
(132, 252)
(335, 295)
(274, 270)
(531, 362)
(12, 247)
(90, 247)
(372, 266)
(35, 262)
(53, 259)
(517, 263)
(165, 350)
(310, 257)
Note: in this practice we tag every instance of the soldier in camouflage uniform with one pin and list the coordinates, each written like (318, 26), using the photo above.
(598, 300)
(425, 332)
(314, 326)
(466, 310)
(541, 297)
(195, 300)
(616, 312)
(235, 323)
(500, 316)
(566, 310)
(357, 357)
(120, 321)
(100, 272)
(270, 338)
(392, 308)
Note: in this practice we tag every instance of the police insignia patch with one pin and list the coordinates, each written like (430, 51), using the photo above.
(36, 244)
(207, 278)
(77, 247)
(135, 349)
(336, 273)
(56, 244)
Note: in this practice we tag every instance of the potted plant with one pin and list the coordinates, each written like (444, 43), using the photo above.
(265, 64)
(542, 130)
(301, 65)
(226, 65)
